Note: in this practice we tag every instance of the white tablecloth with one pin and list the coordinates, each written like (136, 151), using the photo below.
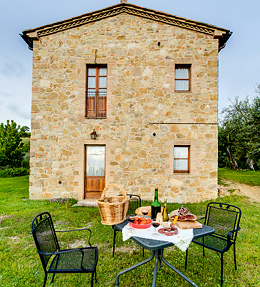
(182, 240)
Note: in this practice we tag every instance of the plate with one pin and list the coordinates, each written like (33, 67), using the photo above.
(139, 210)
(140, 226)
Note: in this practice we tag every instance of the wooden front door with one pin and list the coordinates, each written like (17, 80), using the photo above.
(94, 170)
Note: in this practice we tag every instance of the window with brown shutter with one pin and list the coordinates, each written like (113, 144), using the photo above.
(96, 98)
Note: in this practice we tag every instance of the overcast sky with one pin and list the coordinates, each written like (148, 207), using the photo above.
(239, 61)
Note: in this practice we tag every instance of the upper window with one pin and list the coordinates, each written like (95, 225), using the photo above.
(182, 78)
(96, 91)
(181, 159)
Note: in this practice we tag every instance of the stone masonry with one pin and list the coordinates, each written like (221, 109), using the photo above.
(145, 116)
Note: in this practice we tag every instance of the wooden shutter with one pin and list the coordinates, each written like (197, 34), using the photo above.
(96, 99)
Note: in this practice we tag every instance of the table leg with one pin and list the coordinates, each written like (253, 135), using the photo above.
(135, 266)
(177, 271)
(157, 257)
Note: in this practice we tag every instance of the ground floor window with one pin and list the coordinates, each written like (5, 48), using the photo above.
(181, 159)
(95, 161)
(94, 170)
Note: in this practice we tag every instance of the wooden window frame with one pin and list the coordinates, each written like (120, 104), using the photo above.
(188, 158)
(96, 113)
(186, 66)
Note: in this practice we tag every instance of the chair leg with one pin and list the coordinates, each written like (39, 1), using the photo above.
(203, 248)
(114, 242)
(45, 279)
(92, 275)
(143, 252)
(186, 259)
(222, 254)
(95, 275)
(52, 277)
(234, 251)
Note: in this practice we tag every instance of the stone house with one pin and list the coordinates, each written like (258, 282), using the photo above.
(146, 84)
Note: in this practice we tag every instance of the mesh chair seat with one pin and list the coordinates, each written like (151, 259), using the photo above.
(75, 261)
(212, 242)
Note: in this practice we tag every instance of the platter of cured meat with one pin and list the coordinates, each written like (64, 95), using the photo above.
(185, 215)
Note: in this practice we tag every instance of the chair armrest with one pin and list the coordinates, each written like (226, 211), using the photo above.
(231, 232)
(80, 229)
(73, 230)
(201, 218)
(60, 251)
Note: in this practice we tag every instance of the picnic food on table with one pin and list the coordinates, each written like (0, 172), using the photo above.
(142, 220)
(185, 214)
(169, 231)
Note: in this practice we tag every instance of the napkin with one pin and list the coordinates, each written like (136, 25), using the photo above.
(182, 240)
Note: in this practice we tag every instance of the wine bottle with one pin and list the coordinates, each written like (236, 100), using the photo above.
(156, 206)
(165, 211)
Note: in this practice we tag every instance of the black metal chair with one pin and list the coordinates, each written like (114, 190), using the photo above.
(77, 260)
(135, 202)
(224, 218)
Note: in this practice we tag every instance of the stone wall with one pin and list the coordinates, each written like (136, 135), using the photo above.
(141, 102)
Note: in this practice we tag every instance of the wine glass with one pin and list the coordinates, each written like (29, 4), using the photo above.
(155, 225)
(131, 219)
(144, 212)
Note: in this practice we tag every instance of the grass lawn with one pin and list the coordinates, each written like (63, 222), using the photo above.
(242, 176)
(20, 264)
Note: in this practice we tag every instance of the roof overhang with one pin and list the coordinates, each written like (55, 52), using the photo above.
(218, 33)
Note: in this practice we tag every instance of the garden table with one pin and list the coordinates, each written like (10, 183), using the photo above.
(157, 246)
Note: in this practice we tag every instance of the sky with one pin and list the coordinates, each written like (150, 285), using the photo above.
(239, 61)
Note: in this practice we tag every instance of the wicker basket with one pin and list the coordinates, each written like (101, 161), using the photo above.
(113, 210)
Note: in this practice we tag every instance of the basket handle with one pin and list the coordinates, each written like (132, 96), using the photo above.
(113, 185)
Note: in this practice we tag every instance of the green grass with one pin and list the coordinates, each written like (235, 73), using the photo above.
(249, 177)
(20, 264)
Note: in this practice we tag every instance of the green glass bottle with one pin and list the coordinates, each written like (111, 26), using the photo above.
(156, 206)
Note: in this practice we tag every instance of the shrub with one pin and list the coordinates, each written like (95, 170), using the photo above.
(67, 201)
(11, 172)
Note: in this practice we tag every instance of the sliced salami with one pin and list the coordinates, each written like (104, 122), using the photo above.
(162, 230)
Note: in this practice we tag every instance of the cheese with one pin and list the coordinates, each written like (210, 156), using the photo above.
(159, 218)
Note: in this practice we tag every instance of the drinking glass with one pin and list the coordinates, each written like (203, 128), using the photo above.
(144, 212)
(155, 225)
(130, 218)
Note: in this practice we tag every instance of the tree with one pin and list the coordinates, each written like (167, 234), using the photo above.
(239, 134)
(24, 132)
(11, 145)
(226, 148)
